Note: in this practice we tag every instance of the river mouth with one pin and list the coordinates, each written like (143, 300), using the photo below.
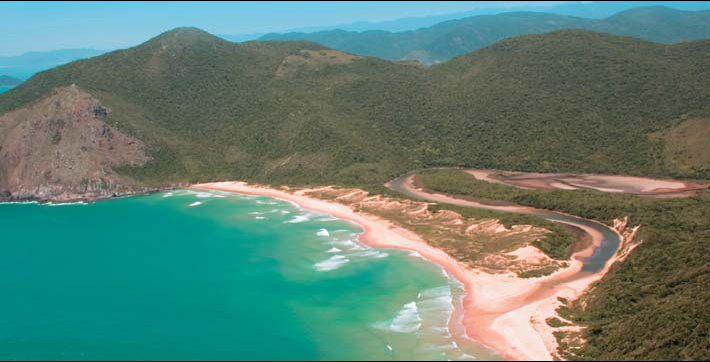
(594, 263)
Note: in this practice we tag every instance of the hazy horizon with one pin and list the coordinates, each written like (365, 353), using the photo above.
(50, 26)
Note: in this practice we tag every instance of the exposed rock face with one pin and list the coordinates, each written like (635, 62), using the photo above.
(61, 149)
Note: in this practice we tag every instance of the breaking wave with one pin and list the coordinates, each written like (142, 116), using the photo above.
(407, 320)
(332, 263)
(301, 218)
(198, 194)
(66, 203)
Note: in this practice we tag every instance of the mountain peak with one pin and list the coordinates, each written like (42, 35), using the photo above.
(189, 31)
(185, 36)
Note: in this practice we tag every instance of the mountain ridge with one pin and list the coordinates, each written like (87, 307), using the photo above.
(272, 88)
(447, 39)
(25, 65)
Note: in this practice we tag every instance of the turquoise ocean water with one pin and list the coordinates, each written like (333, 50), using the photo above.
(203, 275)
(4, 89)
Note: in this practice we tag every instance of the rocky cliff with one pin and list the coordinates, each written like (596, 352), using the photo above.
(60, 149)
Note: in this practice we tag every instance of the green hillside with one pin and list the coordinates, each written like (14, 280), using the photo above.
(448, 39)
(300, 113)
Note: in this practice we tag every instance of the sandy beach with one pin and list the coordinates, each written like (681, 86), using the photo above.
(502, 312)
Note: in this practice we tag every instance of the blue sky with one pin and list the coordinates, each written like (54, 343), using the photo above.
(41, 26)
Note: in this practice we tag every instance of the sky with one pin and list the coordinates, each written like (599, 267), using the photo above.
(52, 25)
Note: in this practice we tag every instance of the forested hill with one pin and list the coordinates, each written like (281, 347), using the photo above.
(296, 112)
(455, 37)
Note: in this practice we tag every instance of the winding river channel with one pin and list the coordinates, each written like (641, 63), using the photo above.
(595, 263)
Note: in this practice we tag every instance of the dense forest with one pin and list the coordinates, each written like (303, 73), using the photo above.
(448, 39)
(298, 113)
(653, 306)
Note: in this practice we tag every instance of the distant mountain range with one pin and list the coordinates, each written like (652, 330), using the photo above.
(584, 9)
(452, 38)
(8, 81)
(441, 37)
(25, 65)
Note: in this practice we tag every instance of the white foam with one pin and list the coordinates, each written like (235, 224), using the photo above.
(389, 347)
(297, 219)
(198, 194)
(256, 213)
(300, 218)
(373, 254)
(66, 203)
(196, 203)
(259, 218)
(206, 194)
(332, 263)
(344, 243)
(333, 250)
(327, 218)
(262, 202)
(323, 232)
(407, 320)
(416, 254)
(20, 203)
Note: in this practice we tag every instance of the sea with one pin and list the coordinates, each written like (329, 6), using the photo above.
(5, 89)
(192, 275)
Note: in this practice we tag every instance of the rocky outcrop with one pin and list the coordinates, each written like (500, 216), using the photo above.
(61, 149)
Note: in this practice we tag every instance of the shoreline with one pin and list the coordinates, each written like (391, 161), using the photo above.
(501, 312)
(56, 201)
